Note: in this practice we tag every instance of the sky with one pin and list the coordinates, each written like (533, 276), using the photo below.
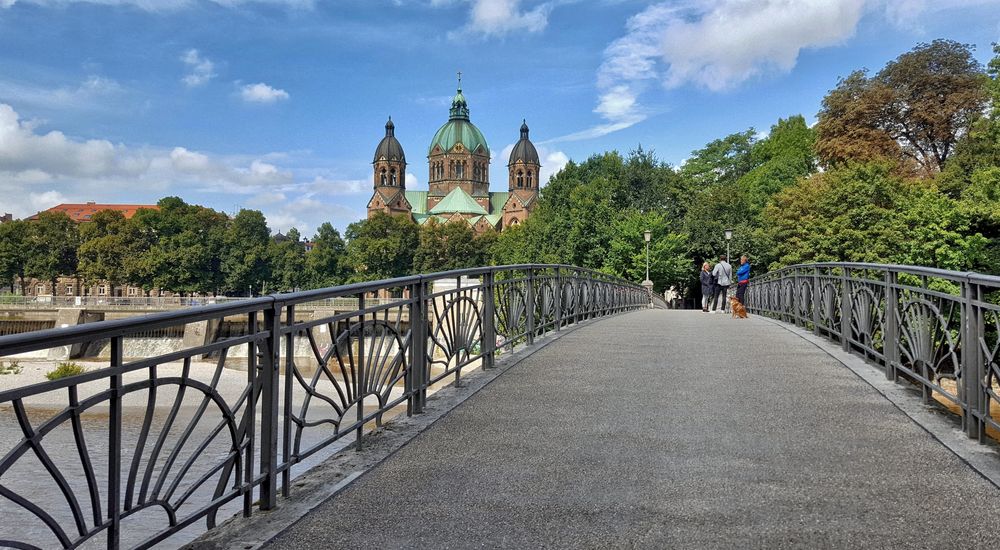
(278, 105)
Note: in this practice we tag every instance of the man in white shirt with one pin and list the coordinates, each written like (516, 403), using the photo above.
(723, 274)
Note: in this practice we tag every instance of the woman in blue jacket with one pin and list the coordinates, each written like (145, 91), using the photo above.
(742, 279)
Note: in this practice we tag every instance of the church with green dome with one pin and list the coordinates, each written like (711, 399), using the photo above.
(458, 162)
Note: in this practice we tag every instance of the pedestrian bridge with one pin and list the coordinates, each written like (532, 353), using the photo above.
(534, 406)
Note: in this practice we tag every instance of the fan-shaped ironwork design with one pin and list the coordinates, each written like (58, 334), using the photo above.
(367, 359)
(458, 332)
(928, 343)
(867, 316)
(511, 312)
(168, 467)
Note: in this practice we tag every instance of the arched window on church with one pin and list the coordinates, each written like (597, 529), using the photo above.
(383, 177)
(459, 170)
(529, 178)
(393, 176)
(520, 179)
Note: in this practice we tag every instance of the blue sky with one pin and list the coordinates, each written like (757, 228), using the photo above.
(279, 104)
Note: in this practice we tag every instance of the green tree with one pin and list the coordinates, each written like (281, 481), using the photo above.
(450, 245)
(183, 246)
(325, 264)
(381, 247)
(14, 252)
(246, 261)
(288, 262)
(105, 248)
(721, 161)
(53, 240)
(625, 255)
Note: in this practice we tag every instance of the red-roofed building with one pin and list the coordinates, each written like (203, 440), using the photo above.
(82, 213)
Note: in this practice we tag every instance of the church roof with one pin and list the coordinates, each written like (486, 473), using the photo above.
(497, 200)
(458, 201)
(524, 150)
(417, 199)
(389, 148)
(459, 129)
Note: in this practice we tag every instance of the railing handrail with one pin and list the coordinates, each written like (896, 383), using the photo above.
(43, 339)
(974, 276)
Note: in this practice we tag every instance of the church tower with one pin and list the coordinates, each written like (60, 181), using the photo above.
(389, 175)
(523, 180)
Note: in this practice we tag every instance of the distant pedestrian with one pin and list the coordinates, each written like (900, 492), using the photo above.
(707, 285)
(723, 278)
(742, 279)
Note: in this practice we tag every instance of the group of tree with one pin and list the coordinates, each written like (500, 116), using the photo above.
(179, 247)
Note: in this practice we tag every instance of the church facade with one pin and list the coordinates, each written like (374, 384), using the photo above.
(458, 162)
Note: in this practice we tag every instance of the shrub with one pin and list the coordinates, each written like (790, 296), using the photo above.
(12, 367)
(65, 369)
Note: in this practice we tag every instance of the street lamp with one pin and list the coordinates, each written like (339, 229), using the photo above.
(647, 234)
(729, 237)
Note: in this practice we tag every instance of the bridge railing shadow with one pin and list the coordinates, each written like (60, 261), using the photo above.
(935, 328)
(134, 452)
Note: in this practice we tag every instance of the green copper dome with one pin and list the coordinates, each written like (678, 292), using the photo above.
(459, 129)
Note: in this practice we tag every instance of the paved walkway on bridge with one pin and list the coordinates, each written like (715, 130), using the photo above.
(667, 429)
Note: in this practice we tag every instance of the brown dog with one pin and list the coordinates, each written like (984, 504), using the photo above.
(739, 312)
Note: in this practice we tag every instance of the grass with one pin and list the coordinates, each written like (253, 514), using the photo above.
(12, 367)
(65, 369)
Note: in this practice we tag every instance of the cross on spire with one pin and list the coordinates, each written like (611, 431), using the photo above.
(459, 80)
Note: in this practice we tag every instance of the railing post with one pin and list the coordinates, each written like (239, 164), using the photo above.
(972, 363)
(286, 414)
(890, 345)
(489, 333)
(846, 312)
(530, 306)
(115, 447)
(557, 299)
(418, 346)
(269, 409)
(813, 301)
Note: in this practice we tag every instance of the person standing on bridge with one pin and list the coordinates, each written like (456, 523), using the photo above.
(742, 279)
(723, 273)
(707, 285)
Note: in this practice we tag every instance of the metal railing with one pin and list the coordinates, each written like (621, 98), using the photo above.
(11, 301)
(153, 446)
(939, 329)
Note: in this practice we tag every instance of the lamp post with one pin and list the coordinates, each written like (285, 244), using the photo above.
(729, 237)
(647, 284)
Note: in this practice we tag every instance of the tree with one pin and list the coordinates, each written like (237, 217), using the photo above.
(721, 161)
(325, 262)
(105, 248)
(245, 257)
(182, 247)
(866, 213)
(780, 159)
(626, 252)
(14, 251)
(450, 245)
(914, 111)
(381, 247)
(288, 262)
(53, 240)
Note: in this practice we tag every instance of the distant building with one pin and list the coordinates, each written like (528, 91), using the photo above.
(82, 213)
(458, 177)
(6, 218)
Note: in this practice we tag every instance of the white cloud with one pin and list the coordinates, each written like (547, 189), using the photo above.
(262, 93)
(500, 17)
(201, 69)
(715, 45)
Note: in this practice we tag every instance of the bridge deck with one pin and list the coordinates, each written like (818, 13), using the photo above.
(667, 429)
